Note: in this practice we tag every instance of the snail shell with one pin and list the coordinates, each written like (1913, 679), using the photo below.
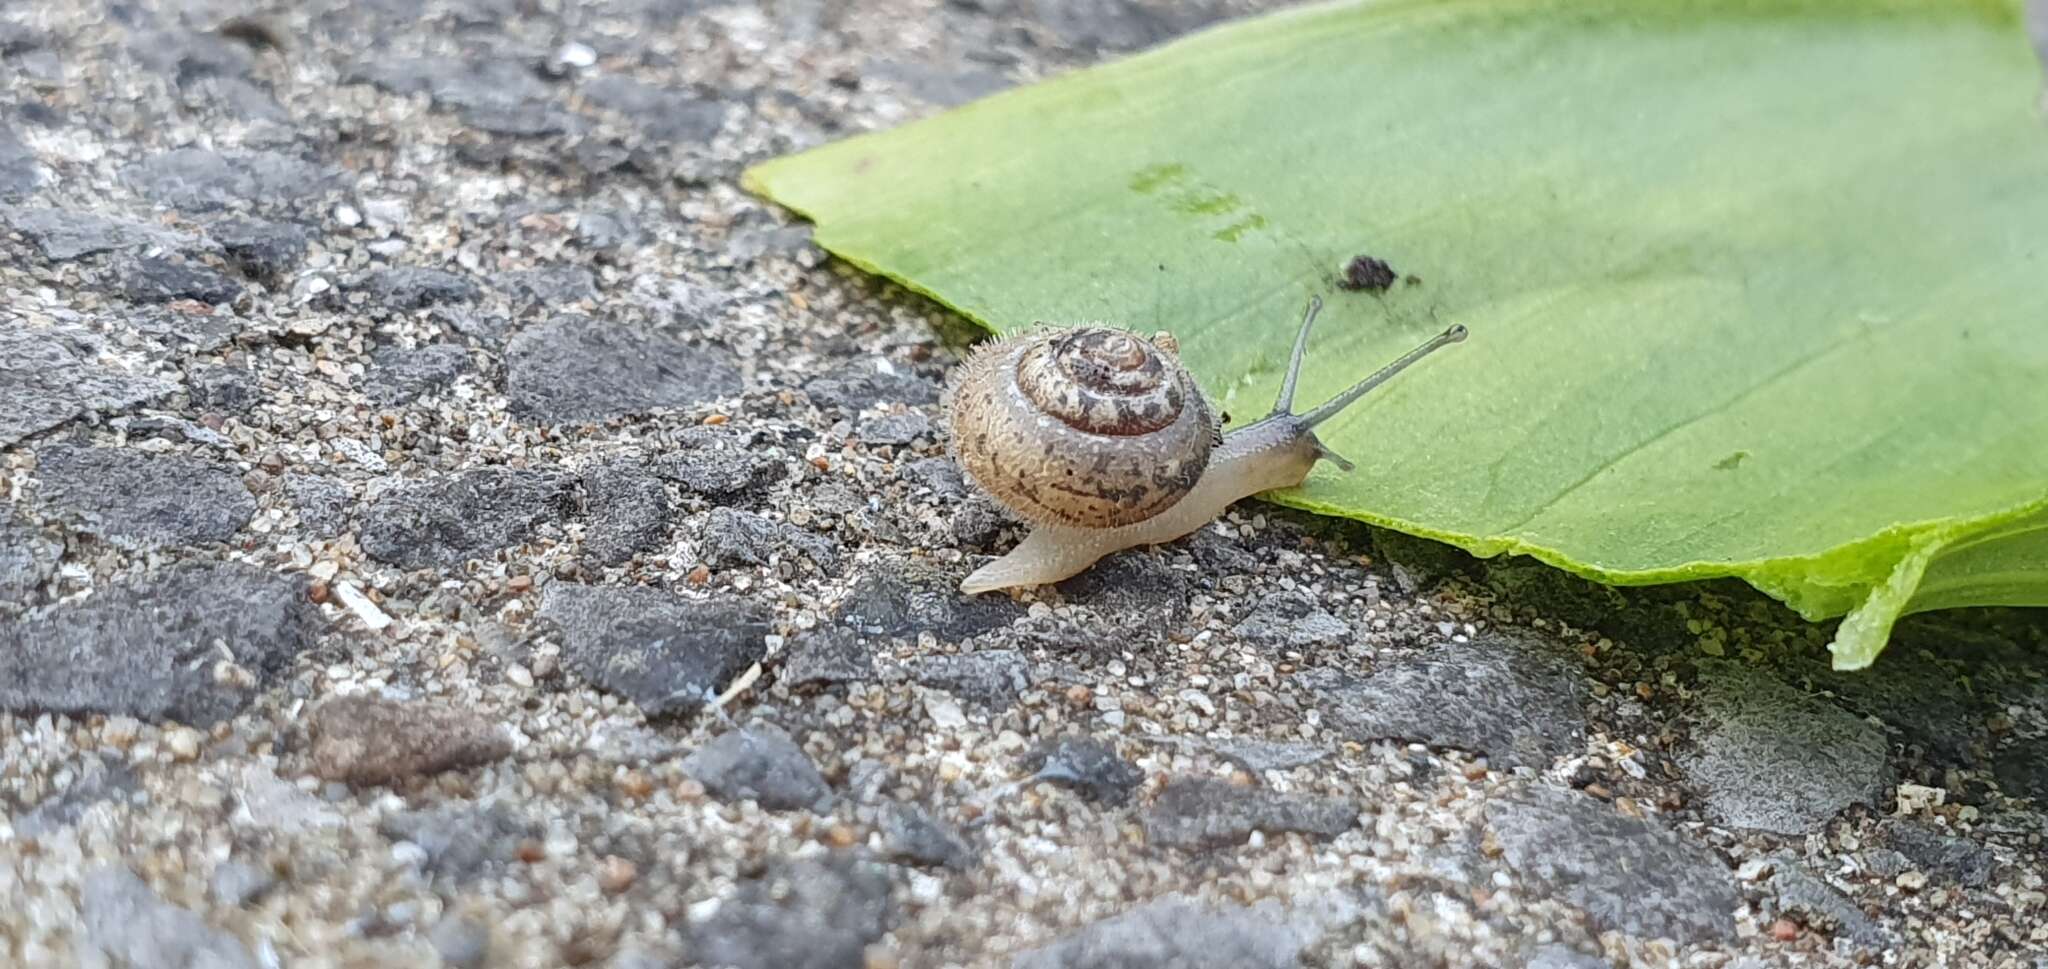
(1089, 427)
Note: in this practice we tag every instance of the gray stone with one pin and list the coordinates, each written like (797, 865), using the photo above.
(978, 523)
(400, 376)
(1200, 813)
(139, 500)
(63, 234)
(1801, 894)
(406, 288)
(19, 172)
(463, 842)
(461, 85)
(181, 329)
(445, 521)
(578, 369)
(365, 741)
(940, 476)
(194, 180)
(158, 279)
(662, 115)
(895, 429)
(1497, 695)
(27, 558)
(907, 598)
(1089, 766)
(1938, 853)
(126, 923)
(154, 648)
(550, 286)
(629, 512)
(100, 780)
(992, 679)
(222, 390)
(1173, 932)
(1770, 757)
(806, 914)
(1291, 620)
(1094, 27)
(1628, 874)
(826, 656)
(942, 86)
(730, 538)
(762, 765)
(667, 654)
(1131, 588)
(461, 942)
(2022, 769)
(909, 834)
(260, 249)
(720, 472)
(1263, 755)
(1555, 956)
(234, 884)
(324, 504)
(859, 384)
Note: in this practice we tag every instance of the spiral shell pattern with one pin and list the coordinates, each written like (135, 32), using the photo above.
(1090, 427)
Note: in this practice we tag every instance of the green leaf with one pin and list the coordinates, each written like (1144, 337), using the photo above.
(1755, 289)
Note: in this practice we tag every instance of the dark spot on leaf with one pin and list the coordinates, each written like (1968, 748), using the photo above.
(1366, 273)
(1728, 463)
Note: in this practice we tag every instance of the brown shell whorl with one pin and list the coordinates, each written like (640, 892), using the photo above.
(1090, 427)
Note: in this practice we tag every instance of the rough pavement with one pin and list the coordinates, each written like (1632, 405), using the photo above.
(409, 432)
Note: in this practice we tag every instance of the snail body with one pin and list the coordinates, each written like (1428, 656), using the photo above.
(1101, 441)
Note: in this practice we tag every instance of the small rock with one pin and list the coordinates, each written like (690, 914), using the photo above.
(235, 884)
(940, 476)
(720, 473)
(1290, 620)
(138, 500)
(128, 924)
(669, 117)
(1202, 813)
(1772, 758)
(445, 521)
(367, 741)
(52, 376)
(27, 558)
(573, 369)
(1264, 755)
(667, 654)
(400, 376)
(154, 648)
(908, 833)
(2022, 769)
(894, 428)
(406, 288)
(806, 914)
(1133, 587)
(157, 279)
(1497, 695)
(1555, 956)
(324, 504)
(978, 523)
(1961, 860)
(222, 390)
(100, 780)
(262, 250)
(63, 234)
(827, 656)
(1096, 26)
(1574, 845)
(761, 765)
(195, 180)
(1174, 932)
(941, 86)
(550, 286)
(1089, 766)
(463, 842)
(732, 539)
(860, 384)
(628, 509)
(1800, 893)
(992, 679)
(19, 173)
(461, 941)
(907, 598)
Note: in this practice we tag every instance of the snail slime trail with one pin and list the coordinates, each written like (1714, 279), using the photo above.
(1101, 441)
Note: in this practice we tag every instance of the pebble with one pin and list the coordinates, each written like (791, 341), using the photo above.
(1772, 758)
(124, 921)
(55, 375)
(138, 500)
(629, 512)
(803, 914)
(759, 764)
(571, 369)
(445, 521)
(363, 740)
(667, 654)
(1198, 813)
(1088, 765)
(1175, 932)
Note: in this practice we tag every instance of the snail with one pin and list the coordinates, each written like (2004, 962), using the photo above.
(1100, 440)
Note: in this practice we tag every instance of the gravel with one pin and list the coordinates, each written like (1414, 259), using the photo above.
(412, 426)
